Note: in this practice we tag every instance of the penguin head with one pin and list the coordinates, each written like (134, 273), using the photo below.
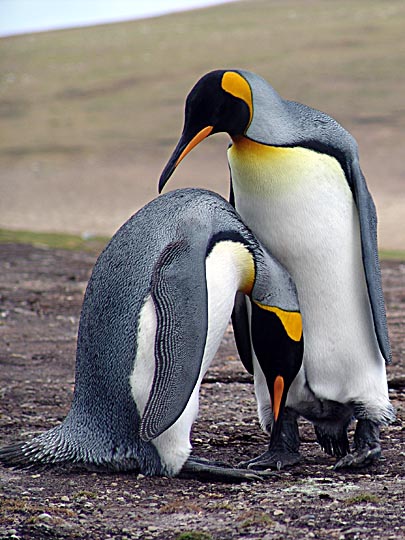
(277, 339)
(221, 101)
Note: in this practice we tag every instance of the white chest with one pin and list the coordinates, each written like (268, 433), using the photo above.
(299, 205)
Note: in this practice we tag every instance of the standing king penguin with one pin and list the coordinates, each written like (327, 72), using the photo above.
(156, 307)
(297, 183)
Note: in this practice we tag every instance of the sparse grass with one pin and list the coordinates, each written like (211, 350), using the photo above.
(252, 517)
(363, 498)
(194, 535)
(95, 244)
(53, 240)
(392, 255)
(85, 495)
(180, 506)
(10, 507)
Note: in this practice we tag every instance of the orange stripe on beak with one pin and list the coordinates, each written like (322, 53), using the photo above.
(194, 141)
(278, 394)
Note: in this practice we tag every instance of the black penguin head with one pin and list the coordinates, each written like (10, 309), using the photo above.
(277, 339)
(221, 101)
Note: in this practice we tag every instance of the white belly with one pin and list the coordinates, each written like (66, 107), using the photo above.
(298, 203)
(228, 268)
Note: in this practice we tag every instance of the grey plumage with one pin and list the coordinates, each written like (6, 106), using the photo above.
(159, 252)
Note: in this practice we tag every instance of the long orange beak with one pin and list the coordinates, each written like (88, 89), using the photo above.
(183, 147)
(278, 394)
(194, 141)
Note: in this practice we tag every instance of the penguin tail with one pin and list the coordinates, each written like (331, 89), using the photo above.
(70, 447)
(49, 448)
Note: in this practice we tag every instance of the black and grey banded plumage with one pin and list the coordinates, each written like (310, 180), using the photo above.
(155, 309)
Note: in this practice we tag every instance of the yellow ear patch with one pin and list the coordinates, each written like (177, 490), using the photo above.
(291, 320)
(237, 86)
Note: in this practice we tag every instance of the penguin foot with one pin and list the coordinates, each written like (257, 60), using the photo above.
(278, 459)
(359, 459)
(333, 439)
(367, 447)
(204, 470)
(284, 451)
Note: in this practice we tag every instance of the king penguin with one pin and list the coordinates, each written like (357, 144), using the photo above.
(296, 182)
(155, 309)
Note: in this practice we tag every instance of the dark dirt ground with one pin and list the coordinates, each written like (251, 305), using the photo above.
(40, 297)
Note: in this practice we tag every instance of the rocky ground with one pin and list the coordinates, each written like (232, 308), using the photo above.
(40, 297)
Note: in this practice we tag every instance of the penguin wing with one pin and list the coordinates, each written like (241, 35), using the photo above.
(241, 330)
(368, 230)
(240, 318)
(179, 292)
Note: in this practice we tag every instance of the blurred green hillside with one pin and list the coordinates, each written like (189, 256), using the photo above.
(90, 115)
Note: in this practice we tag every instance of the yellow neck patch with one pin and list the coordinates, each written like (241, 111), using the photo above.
(291, 320)
(237, 86)
(247, 266)
(237, 255)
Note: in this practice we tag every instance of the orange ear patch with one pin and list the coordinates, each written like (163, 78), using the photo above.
(237, 86)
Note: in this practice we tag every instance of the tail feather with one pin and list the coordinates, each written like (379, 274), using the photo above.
(68, 446)
(46, 449)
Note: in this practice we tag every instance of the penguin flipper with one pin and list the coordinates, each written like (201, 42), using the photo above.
(179, 293)
(241, 330)
(368, 231)
(240, 317)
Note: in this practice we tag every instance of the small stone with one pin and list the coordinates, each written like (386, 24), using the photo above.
(278, 513)
(65, 498)
(45, 517)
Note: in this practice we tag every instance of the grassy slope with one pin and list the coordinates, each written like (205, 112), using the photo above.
(122, 86)
(96, 243)
(115, 93)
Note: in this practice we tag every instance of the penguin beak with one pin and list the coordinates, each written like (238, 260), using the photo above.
(278, 397)
(184, 146)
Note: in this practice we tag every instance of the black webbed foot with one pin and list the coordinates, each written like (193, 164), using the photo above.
(204, 470)
(367, 447)
(277, 458)
(285, 452)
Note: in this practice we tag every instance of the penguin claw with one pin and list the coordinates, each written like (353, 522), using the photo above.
(272, 460)
(204, 470)
(359, 458)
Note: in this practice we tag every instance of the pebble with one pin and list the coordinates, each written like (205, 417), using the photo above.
(45, 517)
(65, 498)
(278, 513)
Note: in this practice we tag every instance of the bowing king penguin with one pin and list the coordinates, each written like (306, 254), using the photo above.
(155, 309)
(296, 182)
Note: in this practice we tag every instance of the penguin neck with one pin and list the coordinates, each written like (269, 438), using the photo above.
(271, 171)
(235, 260)
(282, 193)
